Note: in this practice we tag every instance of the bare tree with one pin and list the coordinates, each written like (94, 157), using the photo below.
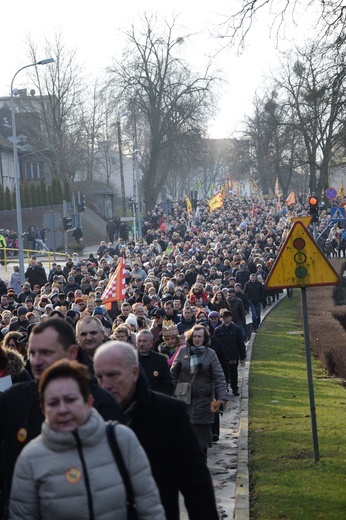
(163, 94)
(331, 18)
(57, 133)
(274, 144)
(312, 84)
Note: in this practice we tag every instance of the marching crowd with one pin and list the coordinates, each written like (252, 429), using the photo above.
(180, 331)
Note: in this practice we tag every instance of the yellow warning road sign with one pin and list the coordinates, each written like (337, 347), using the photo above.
(301, 263)
(306, 220)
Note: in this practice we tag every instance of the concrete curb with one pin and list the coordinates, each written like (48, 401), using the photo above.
(242, 492)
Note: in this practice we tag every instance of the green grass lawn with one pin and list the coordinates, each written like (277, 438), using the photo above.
(285, 480)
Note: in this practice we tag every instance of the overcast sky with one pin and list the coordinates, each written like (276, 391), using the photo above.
(94, 29)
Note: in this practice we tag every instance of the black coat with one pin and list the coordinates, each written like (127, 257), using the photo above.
(36, 275)
(254, 291)
(22, 418)
(162, 425)
(157, 371)
(231, 338)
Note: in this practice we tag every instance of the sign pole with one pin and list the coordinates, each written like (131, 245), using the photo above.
(309, 374)
(301, 263)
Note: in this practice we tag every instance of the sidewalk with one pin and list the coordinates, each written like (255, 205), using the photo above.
(228, 458)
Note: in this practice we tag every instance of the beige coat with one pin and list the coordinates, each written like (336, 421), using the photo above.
(48, 480)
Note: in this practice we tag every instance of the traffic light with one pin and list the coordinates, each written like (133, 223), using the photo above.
(67, 223)
(313, 208)
(81, 204)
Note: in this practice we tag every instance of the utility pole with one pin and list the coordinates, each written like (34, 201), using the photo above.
(122, 182)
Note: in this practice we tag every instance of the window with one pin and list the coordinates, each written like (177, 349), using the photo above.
(32, 171)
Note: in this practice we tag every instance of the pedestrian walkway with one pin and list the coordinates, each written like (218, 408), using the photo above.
(228, 458)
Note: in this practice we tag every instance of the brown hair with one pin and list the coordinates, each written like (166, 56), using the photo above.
(15, 335)
(189, 334)
(66, 369)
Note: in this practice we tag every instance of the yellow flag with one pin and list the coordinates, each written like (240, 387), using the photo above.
(188, 204)
(341, 190)
(291, 199)
(216, 202)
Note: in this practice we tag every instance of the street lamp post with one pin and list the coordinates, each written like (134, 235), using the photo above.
(137, 176)
(16, 170)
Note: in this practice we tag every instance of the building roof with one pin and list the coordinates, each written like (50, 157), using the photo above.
(95, 187)
(5, 144)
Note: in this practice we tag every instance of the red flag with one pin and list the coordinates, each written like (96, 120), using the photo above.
(116, 287)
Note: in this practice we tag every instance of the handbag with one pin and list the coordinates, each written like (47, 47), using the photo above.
(183, 390)
(114, 446)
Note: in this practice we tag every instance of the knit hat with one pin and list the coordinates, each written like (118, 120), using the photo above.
(98, 310)
(22, 310)
(213, 314)
(146, 299)
(131, 320)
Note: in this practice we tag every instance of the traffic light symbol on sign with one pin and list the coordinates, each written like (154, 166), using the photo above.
(301, 263)
(300, 257)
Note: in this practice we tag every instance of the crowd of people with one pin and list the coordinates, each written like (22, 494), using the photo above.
(191, 279)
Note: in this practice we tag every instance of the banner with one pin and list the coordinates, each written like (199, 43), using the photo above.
(341, 193)
(116, 287)
(291, 199)
(277, 192)
(216, 202)
(188, 204)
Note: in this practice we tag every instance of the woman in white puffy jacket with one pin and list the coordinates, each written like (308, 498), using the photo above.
(69, 470)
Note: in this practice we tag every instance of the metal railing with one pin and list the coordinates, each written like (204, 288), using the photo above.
(9, 256)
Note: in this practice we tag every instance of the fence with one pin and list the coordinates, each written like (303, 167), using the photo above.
(9, 256)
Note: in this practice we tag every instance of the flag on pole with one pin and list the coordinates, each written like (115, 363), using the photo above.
(116, 287)
(341, 190)
(291, 199)
(228, 187)
(277, 192)
(216, 202)
(188, 204)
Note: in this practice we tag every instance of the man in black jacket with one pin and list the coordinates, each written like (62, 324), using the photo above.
(154, 365)
(35, 274)
(20, 412)
(254, 290)
(162, 425)
(232, 339)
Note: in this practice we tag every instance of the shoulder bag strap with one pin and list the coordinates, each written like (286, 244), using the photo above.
(114, 446)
